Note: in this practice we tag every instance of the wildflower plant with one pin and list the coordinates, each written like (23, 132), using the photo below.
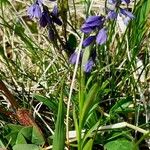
(74, 80)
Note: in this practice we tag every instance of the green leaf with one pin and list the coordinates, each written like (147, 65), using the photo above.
(51, 104)
(4, 2)
(20, 139)
(24, 133)
(58, 140)
(26, 147)
(37, 137)
(76, 123)
(142, 10)
(120, 144)
(89, 102)
(90, 132)
(13, 127)
(17, 134)
(2, 145)
(88, 145)
(11, 132)
(72, 41)
(12, 136)
(139, 24)
(121, 105)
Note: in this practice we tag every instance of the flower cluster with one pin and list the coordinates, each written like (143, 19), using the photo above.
(39, 11)
(96, 23)
(95, 27)
(117, 10)
(92, 23)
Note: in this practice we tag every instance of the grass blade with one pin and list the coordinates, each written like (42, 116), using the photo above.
(58, 140)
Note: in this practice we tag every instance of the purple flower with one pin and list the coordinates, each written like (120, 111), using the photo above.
(34, 11)
(88, 41)
(126, 13)
(55, 11)
(55, 16)
(86, 28)
(94, 21)
(126, 20)
(91, 23)
(45, 19)
(126, 1)
(73, 57)
(101, 36)
(88, 66)
(112, 15)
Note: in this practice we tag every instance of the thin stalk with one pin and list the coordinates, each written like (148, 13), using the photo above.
(81, 90)
(71, 89)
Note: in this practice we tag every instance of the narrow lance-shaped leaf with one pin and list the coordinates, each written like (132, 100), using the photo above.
(50, 103)
(88, 103)
(58, 140)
